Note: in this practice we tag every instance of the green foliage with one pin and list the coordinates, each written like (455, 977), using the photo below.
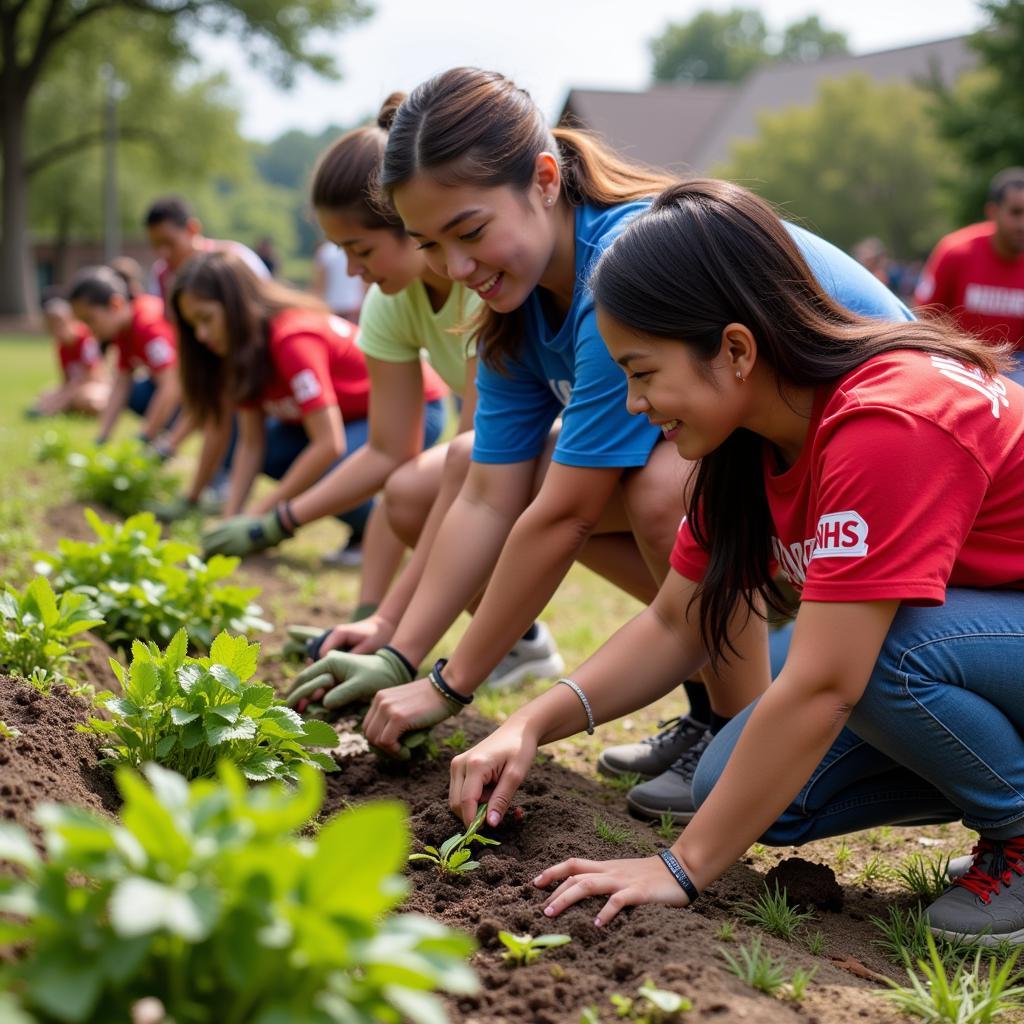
(622, 783)
(903, 933)
(453, 857)
(147, 588)
(51, 445)
(123, 475)
(756, 967)
(610, 832)
(457, 742)
(650, 1005)
(808, 40)
(772, 912)
(926, 877)
(968, 994)
(8, 732)
(842, 855)
(726, 931)
(521, 950)
(874, 870)
(203, 897)
(189, 713)
(38, 630)
(816, 944)
(863, 159)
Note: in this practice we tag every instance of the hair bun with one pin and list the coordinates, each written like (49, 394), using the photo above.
(388, 109)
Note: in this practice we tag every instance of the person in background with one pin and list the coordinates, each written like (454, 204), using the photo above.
(146, 346)
(266, 252)
(131, 270)
(85, 386)
(976, 275)
(176, 234)
(341, 289)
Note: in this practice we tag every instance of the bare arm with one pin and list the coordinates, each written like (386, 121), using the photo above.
(115, 406)
(216, 438)
(162, 405)
(248, 459)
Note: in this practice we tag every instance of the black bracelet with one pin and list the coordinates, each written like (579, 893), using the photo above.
(409, 666)
(680, 875)
(284, 509)
(443, 688)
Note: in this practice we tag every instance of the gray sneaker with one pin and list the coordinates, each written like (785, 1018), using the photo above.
(986, 905)
(671, 792)
(651, 756)
(529, 659)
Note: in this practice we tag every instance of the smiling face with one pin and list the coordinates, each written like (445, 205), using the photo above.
(207, 320)
(379, 256)
(498, 241)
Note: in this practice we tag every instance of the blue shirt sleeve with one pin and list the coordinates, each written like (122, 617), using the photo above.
(514, 413)
(597, 429)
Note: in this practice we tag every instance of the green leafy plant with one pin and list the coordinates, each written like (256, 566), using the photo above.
(188, 713)
(588, 1015)
(8, 732)
(650, 1005)
(926, 877)
(756, 967)
(203, 897)
(773, 912)
(873, 871)
(38, 630)
(816, 944)
(148, 588)
(610, 832)
(51, 446)
(967, 994)
(726, 931)
(457, 742)
(521, 950)
(121, 475)
(453, 856)
(796, 988)
(842, 855)
(667, 827)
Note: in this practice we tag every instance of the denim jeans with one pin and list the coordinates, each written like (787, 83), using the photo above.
(285, 442)
(937, 736)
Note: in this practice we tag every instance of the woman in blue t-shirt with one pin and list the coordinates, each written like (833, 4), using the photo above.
(560, 469)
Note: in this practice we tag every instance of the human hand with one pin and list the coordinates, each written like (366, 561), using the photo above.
(627, 883)
(243, 535)
(363, 637)
(491, 772)
(304, 642)
(396, 712)
(178, 507)
(348, 678)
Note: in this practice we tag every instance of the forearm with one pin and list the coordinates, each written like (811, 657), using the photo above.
(302, 473)
(245, 466)
(346, 486)
(115, 406)
(165, 400)
(216, 437)
(183, 426)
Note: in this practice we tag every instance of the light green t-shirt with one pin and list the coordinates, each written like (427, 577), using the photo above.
(395, 327)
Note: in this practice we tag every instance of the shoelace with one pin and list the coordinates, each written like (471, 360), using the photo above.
(671, 728)
(1007, 859)
(686, 764)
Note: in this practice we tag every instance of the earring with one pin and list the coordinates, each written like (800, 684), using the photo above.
(548, 200)
(739, 377)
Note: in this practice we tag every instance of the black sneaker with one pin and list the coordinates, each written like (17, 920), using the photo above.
(650, 757)
(986, 905)
(671, 792)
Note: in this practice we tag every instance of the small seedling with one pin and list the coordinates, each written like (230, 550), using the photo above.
(521, 950)
(873, 871)
(590, 1015)
(797, 987)
(926, 877)
(610, 832)
(758, 850)
(842, 856)
(756, 967)
(816, 944)
(904, 933)
(457, 742)
(772, 912)
(726, 931)
(8, 732)
(453, 856)
(651, 1005)
(666, 826)
(624, 782)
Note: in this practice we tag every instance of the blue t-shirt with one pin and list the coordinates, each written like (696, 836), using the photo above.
(569, 372)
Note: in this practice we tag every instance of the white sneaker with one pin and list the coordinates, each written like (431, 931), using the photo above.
(528, 659)
(348, 556)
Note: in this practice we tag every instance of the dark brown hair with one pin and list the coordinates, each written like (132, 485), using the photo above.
(709, 253)
(345, 175)
(211, 383)
(467, 126)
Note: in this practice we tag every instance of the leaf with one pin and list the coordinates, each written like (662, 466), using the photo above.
(64, 984)
(416, 1006)
(182, 716)
(243, 729)
(140, 906)
(457, 858)
(229, 712)
(451, 842)
(318, 734)
(177, 650)
(226, 677)
(165, 746)
(257, 695)
(41, 594)
(123, 707)
(260, 767)
(16, 847)
(151, 823)
(282, 721)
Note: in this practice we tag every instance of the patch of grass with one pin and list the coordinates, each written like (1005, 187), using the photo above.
(772, 912)
(756, 967)
(903, 933)
(796, 988)
(816, 944)
(622, 783)
(666, 827)
(873, 871)
(842, 856)
(726, 931)
(924, 876)
(610, 832)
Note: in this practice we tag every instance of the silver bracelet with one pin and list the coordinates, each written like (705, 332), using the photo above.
(583, 699)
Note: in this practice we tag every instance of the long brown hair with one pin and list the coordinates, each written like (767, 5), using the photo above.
(210, 382)
(472, 127)
(709, 253)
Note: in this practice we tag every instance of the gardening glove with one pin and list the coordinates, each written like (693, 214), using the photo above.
(304, 641)
(243, 535)
(350, 678)
(180, 507)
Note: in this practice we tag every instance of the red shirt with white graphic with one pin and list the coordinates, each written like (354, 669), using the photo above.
(149, 341)
(81, 354)
(966, 278)
(911, 479)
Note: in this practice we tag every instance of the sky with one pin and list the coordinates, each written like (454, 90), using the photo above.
(546, 46)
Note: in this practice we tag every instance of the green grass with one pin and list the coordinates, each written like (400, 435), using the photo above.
(772, 912)
(611, 832)
(925, 877)
(756, 967)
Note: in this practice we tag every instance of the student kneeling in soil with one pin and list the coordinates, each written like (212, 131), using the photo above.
(147, 374)
(882, 467)
(84, 384)
(294, 372)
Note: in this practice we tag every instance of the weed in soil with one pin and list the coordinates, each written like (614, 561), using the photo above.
(756, 967)
(8, 732)
(772, 912)
(521, 950)
(796, 989)
(667, 828)
(816, 944)
(610, 832)
(726, 931)
(622, 783)
(873, 871)
(925, 877)
(842, 856)
(651, 1005)
(903, 933)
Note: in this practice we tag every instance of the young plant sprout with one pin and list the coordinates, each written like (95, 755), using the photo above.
(521, 950)
(453, 856)
(651, 1005)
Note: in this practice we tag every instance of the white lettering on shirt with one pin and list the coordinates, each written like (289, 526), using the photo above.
(562, 389)
(158, 351)
(971, 376)
(340, 326)
(838, 535)
(305, 386)
(991, 300)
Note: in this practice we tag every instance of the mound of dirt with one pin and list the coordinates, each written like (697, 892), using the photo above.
(49, 761)
(807, 885)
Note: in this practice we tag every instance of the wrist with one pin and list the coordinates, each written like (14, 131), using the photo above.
(457, 679)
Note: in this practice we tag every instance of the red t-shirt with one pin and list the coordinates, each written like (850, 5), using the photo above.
(149, 342)
(911, 479)
(81, 353)
(968, 279)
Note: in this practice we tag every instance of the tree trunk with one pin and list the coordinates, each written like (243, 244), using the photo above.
(17, 274)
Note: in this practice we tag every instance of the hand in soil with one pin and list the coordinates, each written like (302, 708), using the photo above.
(363, 637)
(347, 678)
(628, 883)
(394, 712)
(491, 772)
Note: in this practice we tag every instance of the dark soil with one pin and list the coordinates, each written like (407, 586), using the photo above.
(49, 761)
(677, 949)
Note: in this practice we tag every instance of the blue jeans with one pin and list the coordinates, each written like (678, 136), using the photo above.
(937, 736)
(285, 442)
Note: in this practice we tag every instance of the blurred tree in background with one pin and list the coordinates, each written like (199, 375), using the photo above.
(865, 159)
(40, 39)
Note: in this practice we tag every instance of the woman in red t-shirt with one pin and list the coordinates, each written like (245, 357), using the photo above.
(880, 468)
(146, 346)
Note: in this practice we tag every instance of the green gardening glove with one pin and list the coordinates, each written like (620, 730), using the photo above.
(180, 507)
(349, 678)
(243, 535)
(304, 641)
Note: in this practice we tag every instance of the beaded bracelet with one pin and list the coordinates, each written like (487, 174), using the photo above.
(583, 699)
(285, 519)
(443, 688)
(680, 875)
